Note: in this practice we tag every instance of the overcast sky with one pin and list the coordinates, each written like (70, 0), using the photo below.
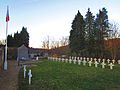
(51, 18)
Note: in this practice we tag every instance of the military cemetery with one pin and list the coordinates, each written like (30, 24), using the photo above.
(59, 45)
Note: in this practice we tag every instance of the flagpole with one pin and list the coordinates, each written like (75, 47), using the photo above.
(5, 62)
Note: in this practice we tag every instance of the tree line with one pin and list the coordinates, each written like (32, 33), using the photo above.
(88, 35)
(18, 39)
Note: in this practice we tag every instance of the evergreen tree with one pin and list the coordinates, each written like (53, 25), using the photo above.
(77, 39)
(24, 36)
(89, 28)
(17, 39)
(10, 41)
(101, 31)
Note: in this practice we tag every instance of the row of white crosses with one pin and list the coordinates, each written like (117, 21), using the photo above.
(29, 74)
(84, 60)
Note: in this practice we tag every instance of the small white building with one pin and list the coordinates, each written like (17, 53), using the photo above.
(23, 53)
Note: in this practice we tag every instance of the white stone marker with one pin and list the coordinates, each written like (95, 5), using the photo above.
(84, 62)
(70, 60)
(90, 63)
(79, 62)
(95, 59)
(80, 58)
(24, 71)
(66, 60)
(113, 61)
(103, 60)
(118, 61)
(103, 64)
(30, 76)
(74, 61)
(37, 58)
(87, 59)
(108, 60)
(99, 60)
(96, 64)
(75, 58)
(56, 59)
(91, 59)
(84, 58)
(63, 59)
(111, 65)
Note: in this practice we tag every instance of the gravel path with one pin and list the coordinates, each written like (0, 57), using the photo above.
(9, 78)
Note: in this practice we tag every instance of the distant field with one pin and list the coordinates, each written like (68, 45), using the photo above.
(49, 75)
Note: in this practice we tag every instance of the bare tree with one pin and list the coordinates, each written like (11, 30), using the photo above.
(113, 42)
(45, 43)
(64, 41)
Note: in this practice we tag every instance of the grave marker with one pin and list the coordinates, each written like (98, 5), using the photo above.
(79, 62)
(24, 71)
(103, 64)
(74, 61)
(111, 65)
(108, 60)
(113, 61)
(70, 60)
(96, 64)
(84, 62)
(30, 76)
(99, 60)
(90, 63)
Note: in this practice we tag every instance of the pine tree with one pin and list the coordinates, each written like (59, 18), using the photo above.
(24, 35)
(10, 41)
(89, 28)
(101, 31)
(77, 39)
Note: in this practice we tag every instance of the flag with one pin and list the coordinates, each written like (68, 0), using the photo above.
(7, 15)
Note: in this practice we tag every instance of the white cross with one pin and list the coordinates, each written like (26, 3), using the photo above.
(103, 60)
(74, 61)
(79, 62)
(118, 61)
(90, 63)
(113, 61)
(24, 71)
(91, 59)
(95, 59)
(66, 60)
(108, 60)
(87, 59)
(30, 76)
(84, 62)
(96, 63)
(111, 65)
(72, 58)
(75, 58)
(103, 64)
(59, 59)
(37, 58)
(62, 59)
(80, 58)
(70, 61)
(84, 58)
(99, 60)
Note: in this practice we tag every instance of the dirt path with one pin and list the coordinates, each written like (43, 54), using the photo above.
(9, 78)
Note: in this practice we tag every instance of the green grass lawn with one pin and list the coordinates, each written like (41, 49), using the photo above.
(49, 75)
